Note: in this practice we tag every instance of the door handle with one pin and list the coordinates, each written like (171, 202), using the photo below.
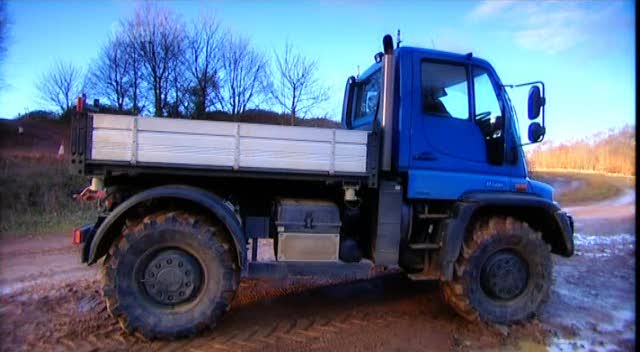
(427, 156)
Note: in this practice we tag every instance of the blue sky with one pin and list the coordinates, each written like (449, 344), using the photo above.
(583, 50)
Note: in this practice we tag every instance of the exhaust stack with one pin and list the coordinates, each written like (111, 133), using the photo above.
(388, 69)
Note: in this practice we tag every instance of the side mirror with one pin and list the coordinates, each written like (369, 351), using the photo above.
(536, 132)
(535, 103)
(347, 107)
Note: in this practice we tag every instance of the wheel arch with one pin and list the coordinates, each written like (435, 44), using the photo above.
(540, 214)
(195, 199)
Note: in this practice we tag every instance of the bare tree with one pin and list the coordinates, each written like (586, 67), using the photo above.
(110, 74)
(178, 103)
(134, 75)
(243, 75)
(297, 89)
(61, 84)
(157, 35)
(203, 60)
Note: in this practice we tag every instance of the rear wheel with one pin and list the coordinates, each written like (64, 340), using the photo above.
(503, 273)
(171, 275)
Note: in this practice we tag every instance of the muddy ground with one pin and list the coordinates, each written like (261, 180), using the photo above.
(49, 301)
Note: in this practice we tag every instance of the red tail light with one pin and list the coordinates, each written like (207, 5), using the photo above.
(77, 236)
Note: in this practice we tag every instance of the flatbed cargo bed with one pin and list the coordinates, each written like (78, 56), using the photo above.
(124, 144)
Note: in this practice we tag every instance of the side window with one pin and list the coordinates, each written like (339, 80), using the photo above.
(488, 113)
(445, 91)
(368, 95)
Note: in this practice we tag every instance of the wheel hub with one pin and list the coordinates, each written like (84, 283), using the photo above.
(504, 275)
(172, 277)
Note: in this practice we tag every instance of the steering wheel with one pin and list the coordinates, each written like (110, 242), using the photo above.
(483, 115)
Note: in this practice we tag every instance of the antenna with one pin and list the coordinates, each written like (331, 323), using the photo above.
(358, 71)
(398, 40)
(433, 45)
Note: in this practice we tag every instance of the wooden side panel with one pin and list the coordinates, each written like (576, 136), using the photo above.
(228, 144)
(178, 148)
(111, 144)
(350, 157)
(284, 154)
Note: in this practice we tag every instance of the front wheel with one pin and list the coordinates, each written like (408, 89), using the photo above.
(503, 273)
(171, 275)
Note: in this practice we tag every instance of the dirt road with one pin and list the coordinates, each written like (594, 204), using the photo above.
(48, 301)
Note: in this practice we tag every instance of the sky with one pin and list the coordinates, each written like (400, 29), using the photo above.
(584, 51)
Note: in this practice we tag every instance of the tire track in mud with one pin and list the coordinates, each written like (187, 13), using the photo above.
(305, 317)
(39, 252)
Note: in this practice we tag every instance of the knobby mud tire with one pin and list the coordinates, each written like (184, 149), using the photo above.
(199, 237)
(464, 293)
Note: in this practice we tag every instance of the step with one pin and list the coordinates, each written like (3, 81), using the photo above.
(433, 216)
(424, 246)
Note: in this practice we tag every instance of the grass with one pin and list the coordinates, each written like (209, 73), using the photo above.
(36, 196)
(594, 187)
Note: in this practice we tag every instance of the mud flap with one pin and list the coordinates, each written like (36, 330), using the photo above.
(386, 243)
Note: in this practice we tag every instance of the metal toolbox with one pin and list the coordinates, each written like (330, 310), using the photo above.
(308, 247)
(308, 230)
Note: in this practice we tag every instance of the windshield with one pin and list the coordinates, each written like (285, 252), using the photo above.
(368, 96)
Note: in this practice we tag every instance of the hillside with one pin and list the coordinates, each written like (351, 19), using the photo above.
(606, 152)
(39, 137)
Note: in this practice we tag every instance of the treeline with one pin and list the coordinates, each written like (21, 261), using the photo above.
(608, 152)
(157, 64)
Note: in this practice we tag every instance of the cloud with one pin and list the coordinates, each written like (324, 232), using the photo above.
(548, 39)
(548, 26)
(488, 8)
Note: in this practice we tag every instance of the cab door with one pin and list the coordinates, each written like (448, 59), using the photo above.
(444, 134)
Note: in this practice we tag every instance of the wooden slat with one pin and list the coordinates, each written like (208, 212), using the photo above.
(217, 128)
(120, 122)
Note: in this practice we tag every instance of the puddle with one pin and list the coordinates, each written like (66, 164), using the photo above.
(602, 245)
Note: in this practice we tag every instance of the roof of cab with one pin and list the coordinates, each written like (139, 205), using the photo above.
(430, 53)
(437, 54)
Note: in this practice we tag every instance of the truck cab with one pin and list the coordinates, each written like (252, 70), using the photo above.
(427, 176)
(453, 127)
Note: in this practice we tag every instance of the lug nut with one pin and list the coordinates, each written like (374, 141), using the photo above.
(169, 261)
(179, 264)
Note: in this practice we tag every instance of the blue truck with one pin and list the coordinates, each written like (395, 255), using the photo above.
(427, 175)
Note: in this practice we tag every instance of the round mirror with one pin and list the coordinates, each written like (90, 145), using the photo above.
(535, 103)
(536, 132)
